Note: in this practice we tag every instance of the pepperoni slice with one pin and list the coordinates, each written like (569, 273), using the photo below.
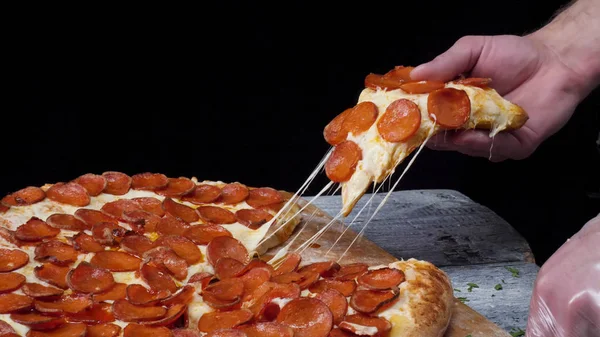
(12, 259)
(342, 163)
(170, 225)
(203, 234)
(267, 329)
(263, 196)
(13, 302)
(165, 256)
(351, 271)
(226, 246)
(172, 315)
(333, 132)
(253, 279)
(108, 233)
(203, 278)
(421, 87)
(263, 306)
(56, 252)
(127, 312)
(117, 292)
(449, 107)
(4, 208)
(117, 183)
(226, 290)
(150, 204)
(141, 221)
(381, 279)
(324, 269)
(221, 304)
(35, 229)
(291, 277)
(360, 119)
(87, 278)
(118, 207)
(225, 333)
(253, 218)
(96, 314)
(36, 321)
(137, 330)
(377, 81)
(290, 264)
(474, 81)
(6, 330)
(233, 193)
(157, 278)
(86, 243)
(227, 268)
(94, 184)
(92, 217)
(23, 197)
(182, 246)
(216, 215)
(177, 187)
(52, 274)
(336, 302)
(359, 322)
(258, 263)
(69, 193)
(308, 317)
(149, 181)
(37, 290)
(115, 261)
(337, 332)
(67, 304)
(180, 211)
(212, 321)
(203, 194)
(369, 301)
(401, 121)
(136, 244)
(103, 330)
(345, 287)
(66, 221)
(183, 297)
(11, 281)
(65, 330)
(401, 73)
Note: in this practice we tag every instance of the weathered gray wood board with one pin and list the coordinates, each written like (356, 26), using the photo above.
(508, 307)
(441, 226)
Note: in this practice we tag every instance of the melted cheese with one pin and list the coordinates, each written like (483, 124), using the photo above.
(18, 215)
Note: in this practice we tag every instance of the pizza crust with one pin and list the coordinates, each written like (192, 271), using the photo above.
(426, 301)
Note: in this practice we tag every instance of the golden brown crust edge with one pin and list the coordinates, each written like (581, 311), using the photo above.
(431, 303)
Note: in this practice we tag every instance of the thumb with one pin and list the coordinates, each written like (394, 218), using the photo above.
(460, 58)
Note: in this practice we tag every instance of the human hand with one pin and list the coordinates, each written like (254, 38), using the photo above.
(525, 71)
(566, 295)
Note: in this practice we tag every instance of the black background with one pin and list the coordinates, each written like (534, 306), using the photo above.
(241, 92)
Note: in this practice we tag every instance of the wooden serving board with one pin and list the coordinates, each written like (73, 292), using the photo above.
(465, 321)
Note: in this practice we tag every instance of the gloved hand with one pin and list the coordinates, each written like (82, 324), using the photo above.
(566, 295)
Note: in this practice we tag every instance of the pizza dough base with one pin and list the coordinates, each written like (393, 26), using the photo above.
(426, 301)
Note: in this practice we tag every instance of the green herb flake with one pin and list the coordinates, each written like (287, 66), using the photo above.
(462, 299)
(468, 336)
(498, 286)
(471, 286)
(503, 281)
(457, 290)
(517, 332)
(515, 272)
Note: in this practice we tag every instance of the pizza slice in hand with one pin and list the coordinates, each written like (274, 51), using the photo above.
(395, 115)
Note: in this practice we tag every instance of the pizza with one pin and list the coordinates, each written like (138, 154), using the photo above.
(395, 115)
(112, 254)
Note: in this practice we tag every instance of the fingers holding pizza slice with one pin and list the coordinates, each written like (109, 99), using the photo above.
(395, 115)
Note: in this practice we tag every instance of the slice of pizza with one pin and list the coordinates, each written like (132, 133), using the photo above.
(395, 115)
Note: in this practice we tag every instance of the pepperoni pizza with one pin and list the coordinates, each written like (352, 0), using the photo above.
(147, 255)
(396, 115)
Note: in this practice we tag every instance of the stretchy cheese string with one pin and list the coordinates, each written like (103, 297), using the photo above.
(297, 196)
(431, 131)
